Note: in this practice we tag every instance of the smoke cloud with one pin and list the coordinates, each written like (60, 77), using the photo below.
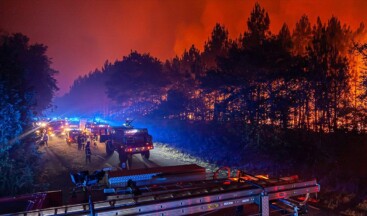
(82, 35)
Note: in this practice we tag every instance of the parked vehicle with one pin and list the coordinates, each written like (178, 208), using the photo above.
(72, 136)
(126, 141)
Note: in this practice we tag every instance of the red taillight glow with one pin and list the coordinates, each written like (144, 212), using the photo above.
(138, 149)
(227, 183)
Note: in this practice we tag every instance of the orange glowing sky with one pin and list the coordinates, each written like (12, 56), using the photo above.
(82, 34)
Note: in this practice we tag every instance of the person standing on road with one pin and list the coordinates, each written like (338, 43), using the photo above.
(88, 153)
(79, 141)
(84, 139)
(95, 141)
(45, 139)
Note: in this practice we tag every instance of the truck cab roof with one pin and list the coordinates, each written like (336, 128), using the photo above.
(129, 131)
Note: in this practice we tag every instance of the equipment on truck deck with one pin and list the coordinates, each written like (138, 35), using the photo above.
(255, 195)
(157, 175)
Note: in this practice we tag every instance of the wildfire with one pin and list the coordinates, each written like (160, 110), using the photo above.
(357, 70)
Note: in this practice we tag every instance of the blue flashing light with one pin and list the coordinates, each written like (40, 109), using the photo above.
(74, 119)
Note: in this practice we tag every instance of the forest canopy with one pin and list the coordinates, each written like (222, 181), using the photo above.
(306, 77)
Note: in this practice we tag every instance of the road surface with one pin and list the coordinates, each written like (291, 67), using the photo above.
(60, 159)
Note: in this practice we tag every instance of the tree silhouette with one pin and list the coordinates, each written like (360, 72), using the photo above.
(284, 38)
(191, 63)
(328, 70)
(176, 103)
(258, 27)
(302, 36)
(27, 85)
(138, 77)
(27, 68)
(216, 46)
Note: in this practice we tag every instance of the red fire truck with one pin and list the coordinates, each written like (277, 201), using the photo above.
(126, 141)
(58, 126)
(96, 128)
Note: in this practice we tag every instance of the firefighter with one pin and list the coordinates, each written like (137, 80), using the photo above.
(88, 153)
(94, 139)
(45, 139)
(80, 142)
(84, 140)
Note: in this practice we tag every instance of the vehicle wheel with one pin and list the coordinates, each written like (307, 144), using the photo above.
(109, 149)
(122, 157)
(145, 155)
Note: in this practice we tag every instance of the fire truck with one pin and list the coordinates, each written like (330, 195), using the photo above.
(172, 190)
(126, 141)
(96, 128)
(57, 126)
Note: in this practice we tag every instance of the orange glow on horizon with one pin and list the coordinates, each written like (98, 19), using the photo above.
(82, 35)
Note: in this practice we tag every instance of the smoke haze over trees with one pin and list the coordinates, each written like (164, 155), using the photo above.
(279, 95)
(302, 78)
(87, 97)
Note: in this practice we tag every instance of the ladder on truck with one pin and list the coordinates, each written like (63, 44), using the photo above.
(254, 195)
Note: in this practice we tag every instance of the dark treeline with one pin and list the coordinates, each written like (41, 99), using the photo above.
(86, 97)
(307, 78)
(27, 86)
